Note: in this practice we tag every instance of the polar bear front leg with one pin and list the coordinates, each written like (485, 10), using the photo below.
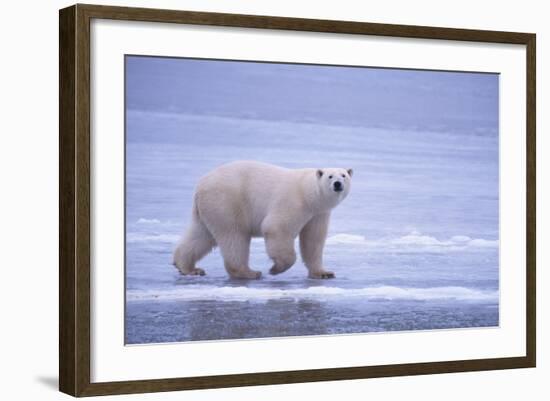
(312, 243)
(280, 248)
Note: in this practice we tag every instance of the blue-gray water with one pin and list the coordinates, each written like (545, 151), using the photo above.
(414, 246)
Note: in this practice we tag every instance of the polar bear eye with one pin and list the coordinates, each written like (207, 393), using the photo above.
(343, 175)
(330, 177)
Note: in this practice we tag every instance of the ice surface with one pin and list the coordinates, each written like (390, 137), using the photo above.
(414, 246)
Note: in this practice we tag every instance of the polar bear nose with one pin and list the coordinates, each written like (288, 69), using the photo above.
(337, 186)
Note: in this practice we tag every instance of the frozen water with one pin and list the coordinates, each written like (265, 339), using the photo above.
(414, 246)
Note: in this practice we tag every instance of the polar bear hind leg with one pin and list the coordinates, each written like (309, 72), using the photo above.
(222, 216)
(196, 243)
(235, 249)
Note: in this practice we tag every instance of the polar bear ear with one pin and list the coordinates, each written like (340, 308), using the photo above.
(350, 171)
(319, 173)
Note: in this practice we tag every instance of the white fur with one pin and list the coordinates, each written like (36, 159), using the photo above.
(246, 199)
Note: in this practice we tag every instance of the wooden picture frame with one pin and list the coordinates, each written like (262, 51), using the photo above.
(75, 198)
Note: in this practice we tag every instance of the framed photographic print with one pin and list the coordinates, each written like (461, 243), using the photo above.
(297, 200)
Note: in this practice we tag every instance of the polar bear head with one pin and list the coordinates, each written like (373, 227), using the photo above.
(334, 183)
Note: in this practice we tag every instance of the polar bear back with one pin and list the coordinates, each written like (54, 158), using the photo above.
(244, 193)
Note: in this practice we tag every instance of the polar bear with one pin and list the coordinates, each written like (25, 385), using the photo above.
(245, 199)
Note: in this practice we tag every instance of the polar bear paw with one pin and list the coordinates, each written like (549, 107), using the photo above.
(197, 271)
(321, 274)
(276, 269)
(247, 274)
